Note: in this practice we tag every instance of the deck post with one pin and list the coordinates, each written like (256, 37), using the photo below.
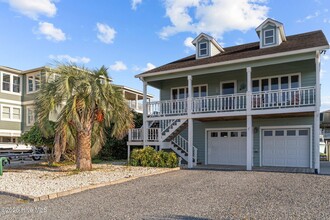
(317, 114)
(190, 124)
(128, 153)
(249, 128)
(145, 114)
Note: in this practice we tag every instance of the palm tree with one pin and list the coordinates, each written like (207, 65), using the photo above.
(88, 103)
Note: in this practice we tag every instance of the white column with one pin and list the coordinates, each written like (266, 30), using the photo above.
(249, 127)
(190, 143)
(317, 114)
(190, 124)
(145, 113)
(249, 142)
(190, 94)
(136, 101)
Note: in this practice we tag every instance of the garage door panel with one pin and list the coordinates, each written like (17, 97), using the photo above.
(227, 150)
(286, 150)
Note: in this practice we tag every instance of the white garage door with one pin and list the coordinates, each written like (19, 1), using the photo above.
(286, 147)
(227, 147)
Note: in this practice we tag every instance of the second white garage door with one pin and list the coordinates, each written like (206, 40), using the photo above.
(286, 147)
(227, 147)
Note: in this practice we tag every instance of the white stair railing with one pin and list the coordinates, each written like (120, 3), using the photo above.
(182, 143)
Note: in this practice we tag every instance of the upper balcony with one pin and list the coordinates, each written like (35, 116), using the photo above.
(238, 102)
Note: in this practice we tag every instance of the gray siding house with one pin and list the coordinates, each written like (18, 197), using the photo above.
(256, 104)
(18, 90)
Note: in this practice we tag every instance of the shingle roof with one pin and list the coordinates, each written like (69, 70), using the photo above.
(294, 42)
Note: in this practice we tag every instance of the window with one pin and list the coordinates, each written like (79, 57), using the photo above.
(243, 134)
(33, 82)
(10, 113)
(269, 37)
(11, 83)
(303, 132)
(30, 116)
(234, 134)
(5, 112)
(223, 134)
(279, 133)
(214, 134)
(277, 82)
(6, 82)
(268, 133)
(8, 140)
(203, 50)
(182, 92)
(291, 133)
(228, 88)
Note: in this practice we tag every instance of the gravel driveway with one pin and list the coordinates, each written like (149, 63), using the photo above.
(192, 194)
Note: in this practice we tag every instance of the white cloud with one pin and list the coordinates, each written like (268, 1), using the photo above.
(105, 33)
(311, 16)
(51, 32)
(149, 66)
(213, 16)
(188, 43)
(118, 66)
(135, 3)
(34, 8)
(68, 58)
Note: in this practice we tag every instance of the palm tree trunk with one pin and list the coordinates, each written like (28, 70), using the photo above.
(84, 160)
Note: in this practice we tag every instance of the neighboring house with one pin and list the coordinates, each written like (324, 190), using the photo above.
(17, 94)
(325, 125)
(256, 104)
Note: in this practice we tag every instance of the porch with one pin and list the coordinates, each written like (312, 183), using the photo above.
(235, 103)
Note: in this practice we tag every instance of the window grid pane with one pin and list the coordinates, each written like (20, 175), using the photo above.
(6, 82)
(5, 112)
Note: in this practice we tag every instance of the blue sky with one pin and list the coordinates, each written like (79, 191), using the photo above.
(131, 36)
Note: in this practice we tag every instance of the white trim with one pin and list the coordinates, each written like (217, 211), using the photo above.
(11, 113)
(11, 101)
(218, 129)
(32, 102)
(294, 52)
(310, 127)
(13, 133)
(11, 83)
(228, 81)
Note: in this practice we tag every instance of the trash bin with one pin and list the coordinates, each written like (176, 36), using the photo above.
(3, 160)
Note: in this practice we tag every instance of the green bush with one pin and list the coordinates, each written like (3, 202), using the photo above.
(149, 157)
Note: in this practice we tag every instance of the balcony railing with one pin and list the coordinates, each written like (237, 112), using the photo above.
(285, 98)
(138, 106)
(274, 99)
(220, 103)
(136, 134)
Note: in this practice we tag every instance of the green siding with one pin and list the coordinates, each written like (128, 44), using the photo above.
(306, 68)
(200, 128)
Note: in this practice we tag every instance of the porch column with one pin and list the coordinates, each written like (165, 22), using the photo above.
(190, 143)
(136, 101)
(249, 127)
(145, 113)
(190, 124)
(128, 153)
(317, 115)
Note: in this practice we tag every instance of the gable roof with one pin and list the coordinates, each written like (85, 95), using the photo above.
(277, 24)
(315, 39)
(210, 38)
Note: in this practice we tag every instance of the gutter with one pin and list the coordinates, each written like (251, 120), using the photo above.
(142, 75)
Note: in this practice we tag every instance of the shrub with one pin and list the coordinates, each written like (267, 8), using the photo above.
(149, 157)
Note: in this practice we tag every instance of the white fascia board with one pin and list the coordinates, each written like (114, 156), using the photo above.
(141, 76)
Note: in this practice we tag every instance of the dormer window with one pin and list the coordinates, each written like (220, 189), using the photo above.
(271, 33)
(269, 37)
(203, 50)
